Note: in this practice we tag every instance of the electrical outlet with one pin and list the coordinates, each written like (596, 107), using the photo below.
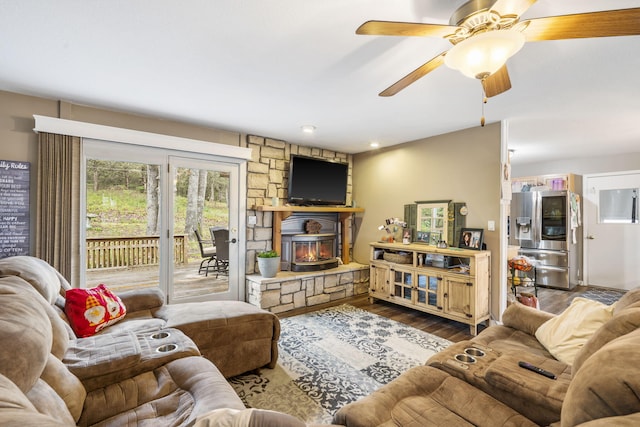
(491, 226)
(253, 220)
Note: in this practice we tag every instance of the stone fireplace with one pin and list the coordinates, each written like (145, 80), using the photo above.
(309, 241)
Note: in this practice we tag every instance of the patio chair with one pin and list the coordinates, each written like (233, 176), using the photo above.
(208, 254)
(220, 237)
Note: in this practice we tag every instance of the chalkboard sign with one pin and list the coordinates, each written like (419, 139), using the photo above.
(14, 208)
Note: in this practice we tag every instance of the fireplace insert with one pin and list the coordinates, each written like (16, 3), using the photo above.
(311, 252)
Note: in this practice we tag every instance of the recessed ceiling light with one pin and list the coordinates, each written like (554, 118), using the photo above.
(308, 128)
(374, 145)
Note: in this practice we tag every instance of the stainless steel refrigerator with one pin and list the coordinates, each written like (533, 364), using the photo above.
(546, 226)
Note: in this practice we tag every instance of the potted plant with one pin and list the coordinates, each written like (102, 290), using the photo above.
(268, 263)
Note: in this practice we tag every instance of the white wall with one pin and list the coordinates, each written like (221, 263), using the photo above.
(578, 166)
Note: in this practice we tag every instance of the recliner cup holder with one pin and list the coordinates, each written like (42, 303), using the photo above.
(476, 352)
(160, 335)
(167, 348)
(465, 358)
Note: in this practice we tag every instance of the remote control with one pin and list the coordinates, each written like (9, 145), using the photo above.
(537, 370)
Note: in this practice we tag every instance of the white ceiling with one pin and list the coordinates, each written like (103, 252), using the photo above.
(267, 67)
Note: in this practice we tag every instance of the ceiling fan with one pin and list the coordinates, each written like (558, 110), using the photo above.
(485, 33)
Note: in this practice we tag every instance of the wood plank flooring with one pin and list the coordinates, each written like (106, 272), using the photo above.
(551, 300)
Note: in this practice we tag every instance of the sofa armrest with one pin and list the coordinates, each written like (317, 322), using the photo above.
(142, 299)
(524, 318)
(101, 360)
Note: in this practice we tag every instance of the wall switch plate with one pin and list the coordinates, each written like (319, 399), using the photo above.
(491, 226)
(252, 220)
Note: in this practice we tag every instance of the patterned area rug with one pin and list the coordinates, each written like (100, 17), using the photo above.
(331, 357)
(604, 295)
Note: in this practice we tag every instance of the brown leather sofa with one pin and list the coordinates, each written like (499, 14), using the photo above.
(147, 369)
(600, 388)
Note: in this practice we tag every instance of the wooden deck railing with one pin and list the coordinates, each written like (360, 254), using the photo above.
(113, 252)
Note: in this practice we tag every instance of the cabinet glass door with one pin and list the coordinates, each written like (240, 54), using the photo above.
(402, 284)
(428, 286)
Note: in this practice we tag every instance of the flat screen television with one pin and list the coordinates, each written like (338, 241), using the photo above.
(317, 182)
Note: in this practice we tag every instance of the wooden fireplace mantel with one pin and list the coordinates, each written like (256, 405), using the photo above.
(281, 213)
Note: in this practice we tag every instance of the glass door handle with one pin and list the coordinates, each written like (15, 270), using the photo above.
(590, 237)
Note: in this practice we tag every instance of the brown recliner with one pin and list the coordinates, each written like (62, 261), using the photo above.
(35, 381)
(425, 396)
(601, 388)
(236, 336)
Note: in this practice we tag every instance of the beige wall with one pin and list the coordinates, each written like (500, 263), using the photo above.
(17, 139)
(461, 166)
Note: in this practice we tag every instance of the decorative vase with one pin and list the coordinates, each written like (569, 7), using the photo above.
(268, 266)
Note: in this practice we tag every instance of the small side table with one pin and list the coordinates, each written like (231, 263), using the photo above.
(523, 278)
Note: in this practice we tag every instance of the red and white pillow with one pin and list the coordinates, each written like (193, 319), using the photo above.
(91, 310)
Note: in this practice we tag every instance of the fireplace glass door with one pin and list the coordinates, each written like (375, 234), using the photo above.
(313, 252)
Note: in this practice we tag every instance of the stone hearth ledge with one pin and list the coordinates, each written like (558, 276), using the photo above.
(290, 290)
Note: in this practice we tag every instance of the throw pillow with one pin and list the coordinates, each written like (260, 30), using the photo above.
(91, 310)
(564, 335)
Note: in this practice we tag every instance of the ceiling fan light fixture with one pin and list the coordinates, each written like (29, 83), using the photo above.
(483, 54)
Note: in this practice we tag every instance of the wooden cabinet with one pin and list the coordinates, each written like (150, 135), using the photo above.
(379, 280)
(452, 283)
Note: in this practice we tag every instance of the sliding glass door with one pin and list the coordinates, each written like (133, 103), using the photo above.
(150, 214)
(203, 217)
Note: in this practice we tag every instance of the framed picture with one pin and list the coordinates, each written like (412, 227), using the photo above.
(471, 238)
(423, 237)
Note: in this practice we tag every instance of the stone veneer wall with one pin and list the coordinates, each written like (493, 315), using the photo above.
(268, 177)
(291, 290)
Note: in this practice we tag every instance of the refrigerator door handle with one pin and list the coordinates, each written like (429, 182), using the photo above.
(551, 268)
(526, 251)
(537, 219)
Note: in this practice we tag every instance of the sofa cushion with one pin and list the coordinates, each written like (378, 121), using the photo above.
(91, 310)
(428, 396)
(47, 401)
(45, 279)
(630, 298)
(607, 384)
(25, 330)
(620, 324)
(236, 336)
(565, 334)
(173, 394)
(16, 410)
(538, 391)
(66, 385)
(247, 418)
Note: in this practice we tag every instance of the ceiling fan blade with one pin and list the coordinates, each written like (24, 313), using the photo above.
(512, 7)
(413, 76)
(608, 23)
(388, 28)
(497, 82)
